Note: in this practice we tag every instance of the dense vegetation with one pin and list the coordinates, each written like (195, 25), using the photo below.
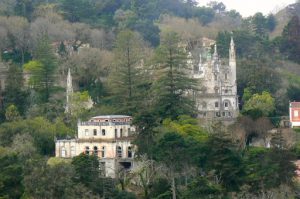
(122, 56)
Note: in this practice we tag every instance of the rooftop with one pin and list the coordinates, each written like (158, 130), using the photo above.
(110, 116)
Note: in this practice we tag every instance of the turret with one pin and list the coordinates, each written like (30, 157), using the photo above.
(232, 63)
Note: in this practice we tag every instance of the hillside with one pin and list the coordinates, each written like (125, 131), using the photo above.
(283, 16)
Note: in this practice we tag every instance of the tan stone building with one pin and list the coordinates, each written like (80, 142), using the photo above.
(108, 137)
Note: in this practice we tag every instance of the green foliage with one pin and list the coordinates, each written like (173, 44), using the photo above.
(201, 188)
(173, 82)
(42, 131)
(290, 41)
(225, 161)
(264, 103)
(14, 92)
(126, 78)
(12, 113)
(10, 176)
(87, 172)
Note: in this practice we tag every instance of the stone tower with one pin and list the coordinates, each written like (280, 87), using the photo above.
(69, 92)
(232, 65)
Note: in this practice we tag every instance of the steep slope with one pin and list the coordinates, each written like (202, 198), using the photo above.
(283, 17)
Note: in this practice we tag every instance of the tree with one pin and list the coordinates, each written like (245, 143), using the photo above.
(290, 44)
(12, 113)
(217, 6)
(42, 69)
(14, 89)
(172, 84)
(271, 22)
(126, 77)
(170, 150)
(87, 170)
(11, 175)
(264, 103)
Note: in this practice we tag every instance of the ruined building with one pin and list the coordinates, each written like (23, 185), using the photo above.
(217, 96)
(108, 137)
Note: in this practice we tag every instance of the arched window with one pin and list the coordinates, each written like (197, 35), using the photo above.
(103, 132)
(119, 152)
(129, 152)
(87, 150)
(95, 151)
(73, 151)
(63, 152)
(103, 152)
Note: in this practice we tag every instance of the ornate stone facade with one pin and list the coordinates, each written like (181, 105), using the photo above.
(217, 98)
(108, 137)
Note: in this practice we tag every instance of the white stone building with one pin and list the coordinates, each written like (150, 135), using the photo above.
(108, 137)
(217, 98)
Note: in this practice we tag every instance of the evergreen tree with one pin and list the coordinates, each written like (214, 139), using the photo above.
(173, 83)
(14, 93)
(42, 69)
(126, 77)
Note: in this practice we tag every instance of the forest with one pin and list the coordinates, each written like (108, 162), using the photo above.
(125, 58)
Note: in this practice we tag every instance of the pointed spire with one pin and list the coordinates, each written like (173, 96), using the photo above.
(215, 55)
(232, 50)
(69, 91)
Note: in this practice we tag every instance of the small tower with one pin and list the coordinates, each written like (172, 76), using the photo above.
(232, 64)
(69, 91)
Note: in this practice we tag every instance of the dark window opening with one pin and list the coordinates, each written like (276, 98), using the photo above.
(103, 132)
(87, 150)
(95, 131)
(129, 152)
(119, 152)
(95, 151)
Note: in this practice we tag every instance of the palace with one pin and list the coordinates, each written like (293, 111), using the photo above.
(108, 137)
(217, 97)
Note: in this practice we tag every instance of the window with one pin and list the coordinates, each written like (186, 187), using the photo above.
(119, 152)
(103, 132)
(129, 151)
(229, 114)
(204, 105)
(87, 150)
(217, 114)
(73, 151)
(216, 104)
(121, 132)
(129, 132)
(103, 152)
(226, 104)
(116, 133)
(296, 113)
(95, 151)
(226, 76)
(223, 114)
(86, 131)
(216, 77)
(95, 131)
(106, 120)
(226, 91)
(63, 152)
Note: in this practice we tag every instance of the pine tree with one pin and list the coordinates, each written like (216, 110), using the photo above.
(126, 78)
(173, 83)
(45, 55)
